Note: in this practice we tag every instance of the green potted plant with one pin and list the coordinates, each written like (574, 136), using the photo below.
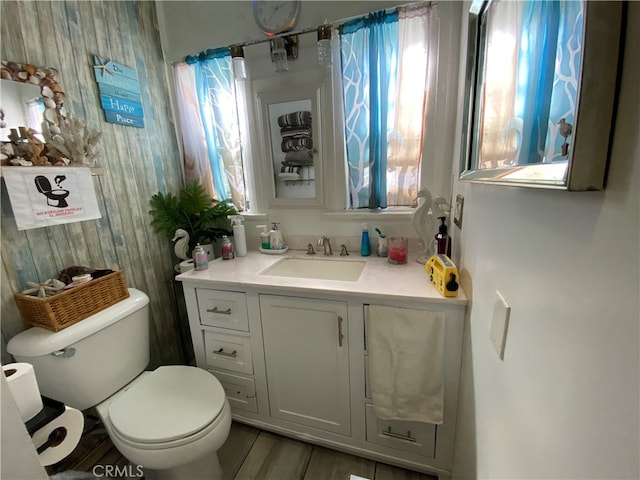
(193, 211)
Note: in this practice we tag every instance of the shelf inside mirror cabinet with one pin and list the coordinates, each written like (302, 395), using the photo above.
(305, 181)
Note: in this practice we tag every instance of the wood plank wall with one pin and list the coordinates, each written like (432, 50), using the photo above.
(137, 162)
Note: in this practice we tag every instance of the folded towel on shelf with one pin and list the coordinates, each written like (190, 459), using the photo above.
(301, 158)
(289, 169)
(406, 349)
(295, 119)
(288, 176)
(295, 131)
(291, 144)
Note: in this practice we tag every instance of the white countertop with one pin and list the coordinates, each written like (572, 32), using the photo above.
(379, 278)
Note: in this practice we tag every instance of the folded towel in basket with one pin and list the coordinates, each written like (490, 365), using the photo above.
(406, 349)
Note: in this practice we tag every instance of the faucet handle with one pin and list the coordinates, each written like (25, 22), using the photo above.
(343, 250)
(310, 250)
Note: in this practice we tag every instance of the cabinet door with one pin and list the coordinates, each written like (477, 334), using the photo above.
(307, 361)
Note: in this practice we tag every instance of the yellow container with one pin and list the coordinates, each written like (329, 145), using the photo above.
(443, 273)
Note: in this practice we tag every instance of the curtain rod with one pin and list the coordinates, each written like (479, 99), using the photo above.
(279, 35)
(266, 39)
(304, 31)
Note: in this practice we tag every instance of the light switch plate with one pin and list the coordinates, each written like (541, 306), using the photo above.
(457, 215)
(500, 324)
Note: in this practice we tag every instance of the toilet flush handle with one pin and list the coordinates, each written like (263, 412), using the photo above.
(65, 352)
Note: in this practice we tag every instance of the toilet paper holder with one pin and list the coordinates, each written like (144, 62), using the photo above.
(51, 409)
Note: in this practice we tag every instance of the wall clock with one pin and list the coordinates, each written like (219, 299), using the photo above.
(276, 17)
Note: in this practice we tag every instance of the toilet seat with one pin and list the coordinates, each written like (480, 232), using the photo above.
(170, 406)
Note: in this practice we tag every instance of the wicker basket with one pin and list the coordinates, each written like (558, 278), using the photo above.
(64, 309)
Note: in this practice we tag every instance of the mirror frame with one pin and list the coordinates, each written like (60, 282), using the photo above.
(47, 79)
(597, 91)
(304, 86)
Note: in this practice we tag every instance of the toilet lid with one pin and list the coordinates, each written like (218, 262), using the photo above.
(172, 402)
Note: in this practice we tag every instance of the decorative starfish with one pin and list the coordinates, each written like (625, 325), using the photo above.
(48, 287)
(103, 67)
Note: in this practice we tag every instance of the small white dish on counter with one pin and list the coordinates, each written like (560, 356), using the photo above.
(269, 251)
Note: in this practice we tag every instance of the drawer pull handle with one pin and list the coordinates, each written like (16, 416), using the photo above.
(407, 437)
(217, 310)
(221, 351)
(340, 335)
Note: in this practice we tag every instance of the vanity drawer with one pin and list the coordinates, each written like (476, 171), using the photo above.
(223, 309)
(414, 437)
(240, 391)
(229, 352)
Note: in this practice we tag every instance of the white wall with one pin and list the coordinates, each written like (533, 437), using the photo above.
(564, 402)
(188, 27)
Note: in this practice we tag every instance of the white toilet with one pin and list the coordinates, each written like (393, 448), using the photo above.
(171, 421)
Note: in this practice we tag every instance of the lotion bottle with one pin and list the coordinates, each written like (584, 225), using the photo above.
(275, 235)
(365, 244)
(239, 235)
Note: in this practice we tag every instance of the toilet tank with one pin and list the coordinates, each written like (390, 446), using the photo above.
(87, 362)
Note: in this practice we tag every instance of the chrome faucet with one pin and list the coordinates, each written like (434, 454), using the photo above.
(324, 242)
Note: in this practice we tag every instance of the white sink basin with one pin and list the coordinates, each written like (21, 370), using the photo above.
(319, 268)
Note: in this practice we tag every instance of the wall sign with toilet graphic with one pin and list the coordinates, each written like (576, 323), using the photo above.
(43, 196)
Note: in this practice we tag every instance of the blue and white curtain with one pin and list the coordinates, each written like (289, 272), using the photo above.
(206, 94)
(533, 56)
(384, 61)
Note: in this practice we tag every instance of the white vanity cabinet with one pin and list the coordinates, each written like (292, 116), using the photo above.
(292, 356)
(307, 361)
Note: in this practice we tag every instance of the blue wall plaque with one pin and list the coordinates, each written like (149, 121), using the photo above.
(119, 92)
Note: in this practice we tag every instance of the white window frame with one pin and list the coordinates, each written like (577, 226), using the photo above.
(438, 165)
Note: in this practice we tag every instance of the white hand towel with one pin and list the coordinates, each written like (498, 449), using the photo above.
(405, 363)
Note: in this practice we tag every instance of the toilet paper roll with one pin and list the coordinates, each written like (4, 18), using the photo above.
(24, 388)
(186, 266)
(58, 438)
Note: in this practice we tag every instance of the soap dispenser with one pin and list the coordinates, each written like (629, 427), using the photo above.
(443, 239)
(365, 245)
(275, 236)
(265, 238)
(239, 236)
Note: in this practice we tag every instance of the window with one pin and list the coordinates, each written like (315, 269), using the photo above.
(394, 124)
(385, 77)
(533, 54)
(209, 116)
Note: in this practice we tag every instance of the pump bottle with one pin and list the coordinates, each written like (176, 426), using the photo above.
(239, 235)
(265, 240)
(443, 240)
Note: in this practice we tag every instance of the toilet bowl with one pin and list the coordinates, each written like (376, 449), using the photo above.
(170, 421)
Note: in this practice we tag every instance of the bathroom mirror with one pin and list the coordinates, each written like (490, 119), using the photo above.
(540, 92)
(22, 106)
(291, 129)
(45, 79)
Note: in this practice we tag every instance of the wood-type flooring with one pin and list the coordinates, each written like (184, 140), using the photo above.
(249, 453)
